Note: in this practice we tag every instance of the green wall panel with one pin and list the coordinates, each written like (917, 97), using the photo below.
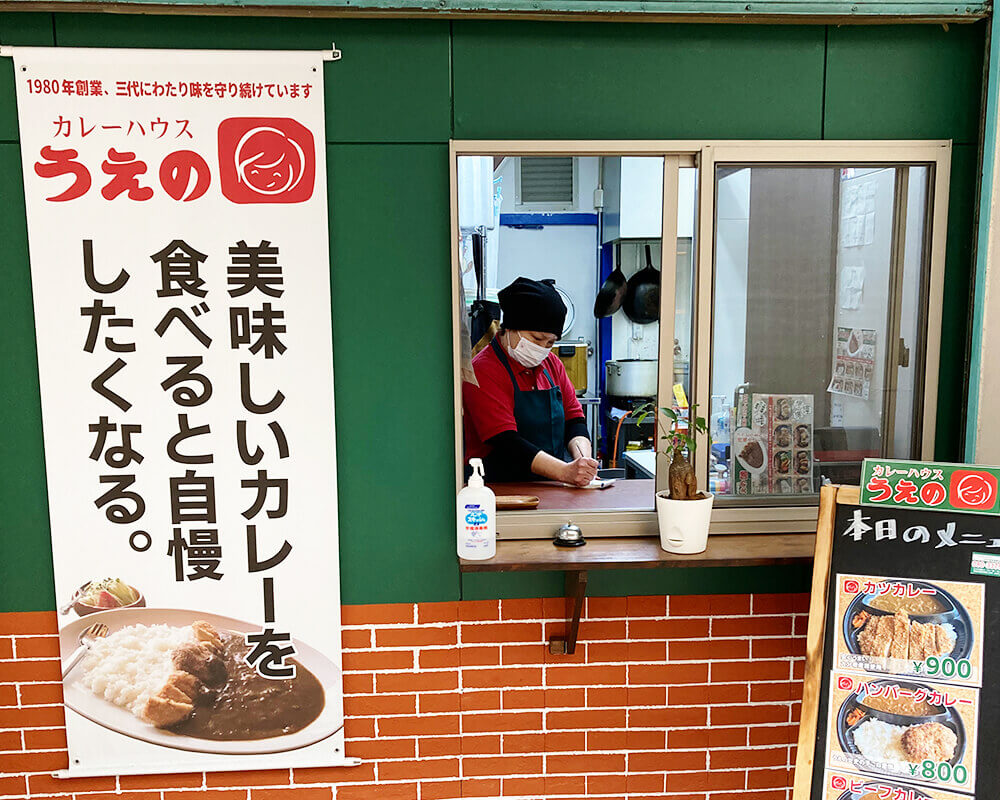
(389, 109)
(904, 82)
(580, 81)
(392, 368)
(490, 585)
(619, 583)
(18, 29)
(392, 84)
(25, 551)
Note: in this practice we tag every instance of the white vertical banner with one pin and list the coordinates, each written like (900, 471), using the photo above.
(177, 220)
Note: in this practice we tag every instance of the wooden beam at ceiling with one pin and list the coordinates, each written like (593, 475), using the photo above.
(726, 11)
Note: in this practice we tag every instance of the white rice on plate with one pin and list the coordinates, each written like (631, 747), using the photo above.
(880, 741)
(949, 631)
(131, 664)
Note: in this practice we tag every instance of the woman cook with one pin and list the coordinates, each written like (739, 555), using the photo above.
(523, 419)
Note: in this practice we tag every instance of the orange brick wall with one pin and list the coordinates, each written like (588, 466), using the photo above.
(686, 698)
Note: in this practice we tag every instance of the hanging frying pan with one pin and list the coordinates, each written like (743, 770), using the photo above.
(642, 294)
(612, 292)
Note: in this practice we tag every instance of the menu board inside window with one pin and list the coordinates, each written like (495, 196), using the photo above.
(897, 703)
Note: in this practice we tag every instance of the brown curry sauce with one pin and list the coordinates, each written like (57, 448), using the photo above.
(903, 706)
(247, 706)
(924, 604)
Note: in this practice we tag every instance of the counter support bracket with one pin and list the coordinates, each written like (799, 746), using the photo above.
(575, 590)
(634, 552)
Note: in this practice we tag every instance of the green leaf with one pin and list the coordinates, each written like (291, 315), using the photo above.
(669, 413)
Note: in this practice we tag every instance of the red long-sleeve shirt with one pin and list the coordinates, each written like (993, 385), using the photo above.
(489, 408)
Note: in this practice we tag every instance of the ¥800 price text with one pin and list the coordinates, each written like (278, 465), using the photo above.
(944, 772)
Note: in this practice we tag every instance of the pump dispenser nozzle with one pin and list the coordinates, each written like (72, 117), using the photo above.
(478, 475)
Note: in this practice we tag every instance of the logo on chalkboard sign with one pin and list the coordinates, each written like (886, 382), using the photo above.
(931, 486)
(973, 489)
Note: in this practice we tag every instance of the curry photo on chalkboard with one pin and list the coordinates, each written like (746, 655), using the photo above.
(930, 629)
(903, 729)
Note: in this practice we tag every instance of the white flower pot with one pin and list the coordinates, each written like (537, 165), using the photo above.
(683, 523)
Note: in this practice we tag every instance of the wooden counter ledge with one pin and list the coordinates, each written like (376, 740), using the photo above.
(724, 550)
(635, 552)
(622, 495)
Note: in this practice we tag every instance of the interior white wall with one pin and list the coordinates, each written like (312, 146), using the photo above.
(478, 192)
(683, 294)
(913, 262)
(475, 193)
(876, 259)
(629, 340)
(568, 254)
(641, 198)
(565, 253)
(687, 178)
(732, 245)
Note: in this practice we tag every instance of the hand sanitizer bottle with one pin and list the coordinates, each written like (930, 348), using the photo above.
(477, 512)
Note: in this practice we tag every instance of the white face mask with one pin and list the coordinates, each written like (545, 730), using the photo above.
(528, 353)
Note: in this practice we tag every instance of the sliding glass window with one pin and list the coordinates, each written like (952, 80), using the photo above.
(819, 335)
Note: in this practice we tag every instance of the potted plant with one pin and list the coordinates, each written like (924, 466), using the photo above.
(683, 512)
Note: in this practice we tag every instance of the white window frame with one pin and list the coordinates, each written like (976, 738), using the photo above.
(706, 155)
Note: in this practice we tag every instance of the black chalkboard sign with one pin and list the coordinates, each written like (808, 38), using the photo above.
(897, 703)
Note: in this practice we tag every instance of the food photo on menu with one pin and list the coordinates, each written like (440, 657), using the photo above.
(180, 678)
(921, 732)
(911, 627)
(772, 443)
(852, 786)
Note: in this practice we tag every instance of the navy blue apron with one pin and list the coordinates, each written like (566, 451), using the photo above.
(540, 419)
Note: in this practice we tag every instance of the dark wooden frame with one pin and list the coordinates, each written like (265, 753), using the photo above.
(829, 498)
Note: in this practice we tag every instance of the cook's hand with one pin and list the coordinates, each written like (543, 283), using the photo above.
(580, 471)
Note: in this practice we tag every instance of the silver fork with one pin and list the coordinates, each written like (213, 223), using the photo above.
(65, 608)
(87, 637)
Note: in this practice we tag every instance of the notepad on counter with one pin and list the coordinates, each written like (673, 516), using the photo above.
(597, 483)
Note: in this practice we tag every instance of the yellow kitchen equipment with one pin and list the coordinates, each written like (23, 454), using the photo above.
(573, 355)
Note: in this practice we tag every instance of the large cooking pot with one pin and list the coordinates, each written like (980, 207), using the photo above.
(630, 377)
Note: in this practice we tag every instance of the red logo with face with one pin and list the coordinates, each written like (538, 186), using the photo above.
(266, 160)
(973, 490)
